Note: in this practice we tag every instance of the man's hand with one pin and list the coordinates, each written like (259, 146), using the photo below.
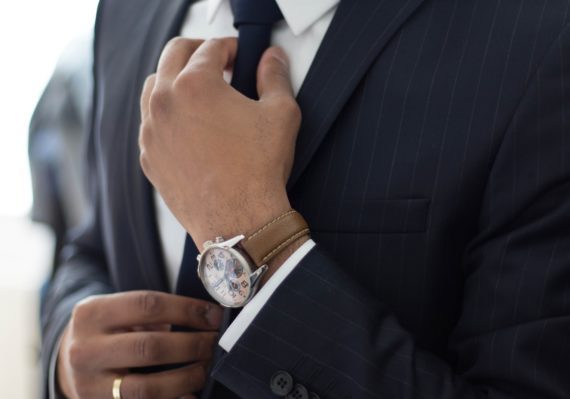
(219, 159)
(110, 334)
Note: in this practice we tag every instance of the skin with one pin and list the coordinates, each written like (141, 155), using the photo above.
(221, 162)
(109, 334)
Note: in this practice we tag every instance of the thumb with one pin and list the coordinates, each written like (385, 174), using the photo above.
(273, 74)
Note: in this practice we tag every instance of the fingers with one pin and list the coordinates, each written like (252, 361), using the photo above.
(168, 384)
(175, 56)
(122, 351)
(183, 56)
(213, 56)
(139, 308)
(273, 78)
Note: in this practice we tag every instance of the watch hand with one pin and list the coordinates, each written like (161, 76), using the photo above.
(217, 283)
(232, 284)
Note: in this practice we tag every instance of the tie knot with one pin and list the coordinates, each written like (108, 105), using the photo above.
(255, 12)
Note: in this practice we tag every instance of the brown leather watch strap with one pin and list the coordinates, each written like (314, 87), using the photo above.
(274, 237)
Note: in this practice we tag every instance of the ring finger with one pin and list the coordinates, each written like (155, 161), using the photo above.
(172, 384)
(139, 349)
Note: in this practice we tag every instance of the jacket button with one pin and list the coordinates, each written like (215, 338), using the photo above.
(298, 392)
(281, 383)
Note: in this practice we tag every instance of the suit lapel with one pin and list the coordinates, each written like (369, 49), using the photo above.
(358, 33)
(164, 25)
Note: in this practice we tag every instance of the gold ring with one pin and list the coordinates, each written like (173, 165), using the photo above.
(117, 387)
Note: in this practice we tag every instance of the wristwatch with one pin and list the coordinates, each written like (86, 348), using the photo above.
(231, 269)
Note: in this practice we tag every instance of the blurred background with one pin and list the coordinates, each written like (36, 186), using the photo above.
(40, 42)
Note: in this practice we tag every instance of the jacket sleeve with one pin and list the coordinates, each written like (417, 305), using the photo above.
(334, 338)
(82, 271)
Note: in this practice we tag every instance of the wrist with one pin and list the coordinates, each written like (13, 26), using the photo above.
(232, 268)
(239, 218)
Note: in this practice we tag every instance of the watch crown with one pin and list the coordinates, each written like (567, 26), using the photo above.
(219, 240)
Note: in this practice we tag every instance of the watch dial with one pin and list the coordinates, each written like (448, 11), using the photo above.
(224, 275)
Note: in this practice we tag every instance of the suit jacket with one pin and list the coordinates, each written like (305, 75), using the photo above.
(56, 142)
(432, 165)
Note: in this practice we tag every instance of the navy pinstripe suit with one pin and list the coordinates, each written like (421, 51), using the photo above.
(433, 168)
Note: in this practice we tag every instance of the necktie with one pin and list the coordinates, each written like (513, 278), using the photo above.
(254, 20)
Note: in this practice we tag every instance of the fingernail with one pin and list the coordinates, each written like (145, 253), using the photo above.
(214, 315)
(279, 55)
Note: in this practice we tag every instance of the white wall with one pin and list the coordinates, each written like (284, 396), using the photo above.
(32, 34)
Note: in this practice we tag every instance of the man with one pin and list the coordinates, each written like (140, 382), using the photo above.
(430, 165)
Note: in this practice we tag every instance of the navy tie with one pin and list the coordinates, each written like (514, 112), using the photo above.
(254, 20)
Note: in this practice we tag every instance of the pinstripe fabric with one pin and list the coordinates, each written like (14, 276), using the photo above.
(432, 166)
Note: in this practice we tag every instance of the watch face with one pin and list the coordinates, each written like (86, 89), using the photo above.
(225, 275)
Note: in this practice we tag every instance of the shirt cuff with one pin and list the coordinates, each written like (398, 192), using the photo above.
(248, 313)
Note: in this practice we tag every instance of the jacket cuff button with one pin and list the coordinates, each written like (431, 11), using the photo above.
(298, 392)
(281, 383)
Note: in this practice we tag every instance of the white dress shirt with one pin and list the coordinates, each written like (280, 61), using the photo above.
(300, 35)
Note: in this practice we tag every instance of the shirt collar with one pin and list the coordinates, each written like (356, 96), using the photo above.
(299, 14)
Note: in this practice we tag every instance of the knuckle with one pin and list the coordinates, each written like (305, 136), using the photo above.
(216, 43)
(182, 43)
(144, 161)
(78, 314)
(191, 81)
(83, 312)
(197, 349)
(202, 347)
(147, 348)
(149, 303)
(275, 68)
(177, 42)
(197, 312)
(199, 377)
(144, 148)
(144, 134)
(149, 81)
(288, 107)
(159, 101)
(77, 355)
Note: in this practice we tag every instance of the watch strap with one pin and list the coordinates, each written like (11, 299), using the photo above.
(271, 239)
